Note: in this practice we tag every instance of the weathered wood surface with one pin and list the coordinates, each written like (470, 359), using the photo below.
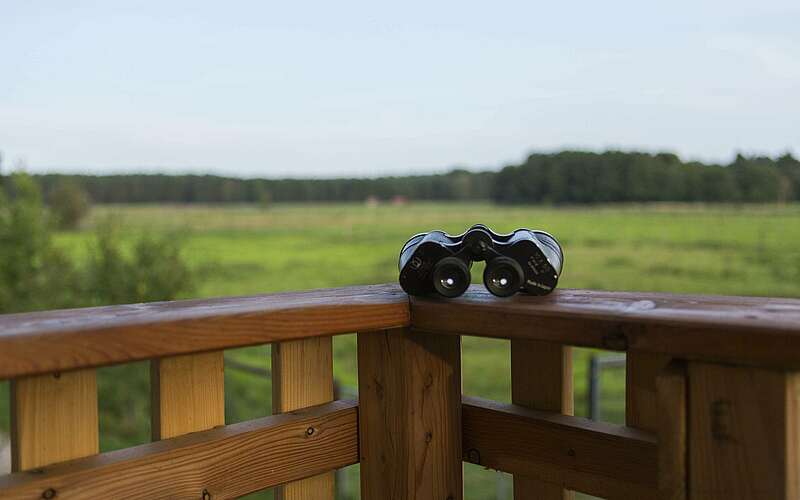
(52, 341)
(746, 330)
(744, 442)
(409, 387)
(226, 462)
(601, 459)
(641, 403)
(541, 379)
(53, 419)
(672, 408)
(302, 375)
(188, 394)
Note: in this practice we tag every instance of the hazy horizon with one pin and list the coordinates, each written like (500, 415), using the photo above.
(6, 167)
(362, 90)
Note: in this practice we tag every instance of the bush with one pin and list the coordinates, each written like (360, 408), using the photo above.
(69, 203)
(33, 273)
(36, 275)
(153, 270)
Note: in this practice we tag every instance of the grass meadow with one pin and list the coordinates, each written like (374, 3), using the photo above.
(237, 250)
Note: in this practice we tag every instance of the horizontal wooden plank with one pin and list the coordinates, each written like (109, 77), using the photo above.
(227, 462)
(744, 330)
(601, 459)
(53, 341)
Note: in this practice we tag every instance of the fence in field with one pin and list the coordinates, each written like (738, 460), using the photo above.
(721, 370)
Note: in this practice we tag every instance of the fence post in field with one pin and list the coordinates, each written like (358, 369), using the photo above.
(541, 379)
(409, 386)
(53, 418)
(302, 375)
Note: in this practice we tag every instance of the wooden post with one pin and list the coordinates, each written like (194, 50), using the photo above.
(541, 379)
(188, 394)
(302, 375)
(53, 418)
(671, 388)
(409, 387)
(743, 426)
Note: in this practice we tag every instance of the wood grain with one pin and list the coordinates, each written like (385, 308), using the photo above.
(53, 341)
(601, 459)
(226, 462)
(743, 426)
(641, 405)
(744, 330)
(188, 394)
(541, 379)
(53, 419)
(409, 415)
(672, 398)
(302, 375)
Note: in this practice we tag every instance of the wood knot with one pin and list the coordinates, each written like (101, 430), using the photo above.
(205, 495)
(721, 412)
(49, 493)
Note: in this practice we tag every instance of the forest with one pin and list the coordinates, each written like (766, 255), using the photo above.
(567, 177)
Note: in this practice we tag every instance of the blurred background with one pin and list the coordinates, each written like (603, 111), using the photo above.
(157, 151)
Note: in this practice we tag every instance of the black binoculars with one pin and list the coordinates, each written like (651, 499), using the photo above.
(525, 260)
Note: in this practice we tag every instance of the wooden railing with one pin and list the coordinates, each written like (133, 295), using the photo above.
(712, 407)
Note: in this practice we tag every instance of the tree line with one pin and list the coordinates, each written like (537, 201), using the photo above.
(568, 177)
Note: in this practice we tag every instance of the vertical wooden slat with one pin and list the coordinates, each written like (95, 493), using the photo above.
(541, 379)
(188, 394)
(302, 375)
(641, 407)
(53, 418)
(671, 387)
(641, 397)
(410, 415)
(743, 426)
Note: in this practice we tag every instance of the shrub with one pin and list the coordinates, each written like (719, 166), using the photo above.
(35, 274)
(152, 270)
(69, 204)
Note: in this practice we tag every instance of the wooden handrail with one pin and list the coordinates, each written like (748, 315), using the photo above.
(712, 403)
(52, 341)
(746, 330)
(749, 330)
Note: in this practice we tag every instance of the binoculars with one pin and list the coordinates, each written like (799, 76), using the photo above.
(523, 261)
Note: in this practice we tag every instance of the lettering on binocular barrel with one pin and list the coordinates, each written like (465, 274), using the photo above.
(540, 285)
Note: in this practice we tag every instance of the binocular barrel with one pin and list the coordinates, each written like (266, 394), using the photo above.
(522, 261)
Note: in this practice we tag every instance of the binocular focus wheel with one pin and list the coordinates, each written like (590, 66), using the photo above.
(451, 277)
(503, 276)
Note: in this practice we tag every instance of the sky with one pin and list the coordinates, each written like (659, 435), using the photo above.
(327, 89)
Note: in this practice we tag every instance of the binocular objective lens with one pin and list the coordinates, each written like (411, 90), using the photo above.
(451, 277)
(503, 276)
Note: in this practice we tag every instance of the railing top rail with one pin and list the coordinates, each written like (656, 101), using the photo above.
(749, 330)
(51, 341)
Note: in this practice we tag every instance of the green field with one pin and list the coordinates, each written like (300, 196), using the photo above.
(235, 250)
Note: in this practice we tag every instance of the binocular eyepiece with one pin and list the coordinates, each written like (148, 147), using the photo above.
(523, 261)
